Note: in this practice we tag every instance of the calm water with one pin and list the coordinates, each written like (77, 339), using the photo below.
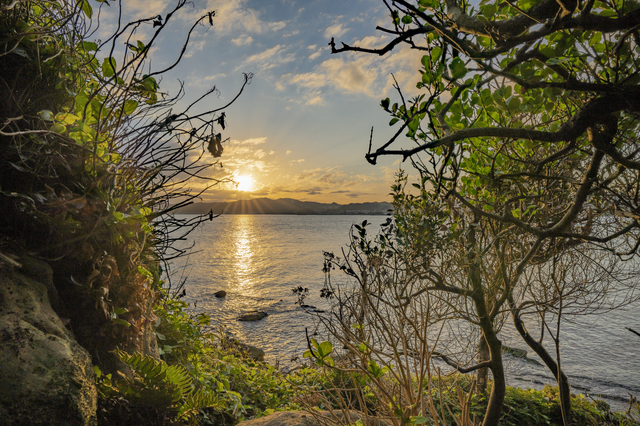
(258, 259)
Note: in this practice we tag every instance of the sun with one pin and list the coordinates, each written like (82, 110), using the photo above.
(245, 183)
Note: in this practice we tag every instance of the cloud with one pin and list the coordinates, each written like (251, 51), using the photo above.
(195, 46)
(360, 73)
(276, 26)
(250, 141)
(242, 40)
(213, 77)
(316, 100)
(270, 58)
(232, 15)
(315, 55)
(312, 47)
(335, 30)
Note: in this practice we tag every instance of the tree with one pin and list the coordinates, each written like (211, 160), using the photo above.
(528, 118)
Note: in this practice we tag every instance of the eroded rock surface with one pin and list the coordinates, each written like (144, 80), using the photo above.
(46, 376)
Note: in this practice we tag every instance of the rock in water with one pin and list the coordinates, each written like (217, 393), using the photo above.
(220, 293)
(47, 377)
(252, 316)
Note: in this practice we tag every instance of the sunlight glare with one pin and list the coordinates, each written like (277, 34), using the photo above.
(245, 183)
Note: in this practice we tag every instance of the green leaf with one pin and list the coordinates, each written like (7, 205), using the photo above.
(435, 53)
(556, 61)
(108, 67)
(89, 46)
(458, 69)
(406, 19)
(413, 125)
(325, 349)
(86, 8)
(130, 106)
(121, 322)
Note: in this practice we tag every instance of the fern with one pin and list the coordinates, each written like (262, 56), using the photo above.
(197, 400)
(155, 383)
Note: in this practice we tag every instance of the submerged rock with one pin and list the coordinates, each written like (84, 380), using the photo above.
(252, 316)
(47, 377)
(518, 353)
(220, 294)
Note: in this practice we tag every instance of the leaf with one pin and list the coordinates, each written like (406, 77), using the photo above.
(413, 124)
(130, 106)
(46, 115)
(406, 19)
(325, 349)
(121, 322)
(458, 69)
(556, 61)
(108, 67)
(86, 8)
(435, 53)
(89, 46)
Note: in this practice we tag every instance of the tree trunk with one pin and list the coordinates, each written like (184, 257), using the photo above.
(561, 378)
(483, 373)
(489, 335)
(498, 390)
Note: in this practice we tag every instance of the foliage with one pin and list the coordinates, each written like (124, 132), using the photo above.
(153, 383)
(244, 387)
(526, 114)
(93, 162)
(452, 396)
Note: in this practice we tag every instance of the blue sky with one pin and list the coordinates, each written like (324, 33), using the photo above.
(301, 129)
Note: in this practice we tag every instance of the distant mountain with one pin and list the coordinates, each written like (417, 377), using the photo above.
(284, 206)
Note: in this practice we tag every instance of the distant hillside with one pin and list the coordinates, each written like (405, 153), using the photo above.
(285, 206)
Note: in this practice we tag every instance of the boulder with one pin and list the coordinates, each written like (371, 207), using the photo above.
(252, 316)
(47, 377)
(254, 352)
(303, 418)
(220, 294)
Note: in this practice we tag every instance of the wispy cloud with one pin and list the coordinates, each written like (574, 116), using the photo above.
(359, 72)
(242, 40)
(270, 58)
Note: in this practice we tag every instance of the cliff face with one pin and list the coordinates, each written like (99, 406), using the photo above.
(47, 377)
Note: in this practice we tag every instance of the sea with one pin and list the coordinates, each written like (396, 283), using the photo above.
(259, 259)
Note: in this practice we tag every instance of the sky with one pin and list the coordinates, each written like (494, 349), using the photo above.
(301, 128)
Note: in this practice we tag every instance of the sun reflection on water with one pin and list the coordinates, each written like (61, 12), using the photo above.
(244, 254)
